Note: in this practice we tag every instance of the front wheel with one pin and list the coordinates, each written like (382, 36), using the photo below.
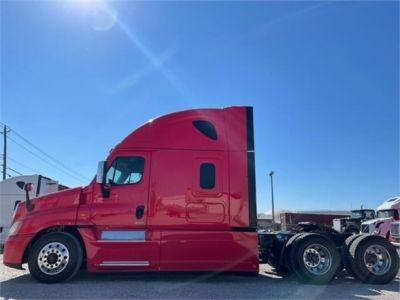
(55, 257)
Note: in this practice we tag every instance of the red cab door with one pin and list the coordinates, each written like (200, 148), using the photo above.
(123, 239)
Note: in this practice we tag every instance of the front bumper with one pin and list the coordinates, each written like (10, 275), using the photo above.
(14, 249)
(396, 240)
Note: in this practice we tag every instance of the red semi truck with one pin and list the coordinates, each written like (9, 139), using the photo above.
(178, 194)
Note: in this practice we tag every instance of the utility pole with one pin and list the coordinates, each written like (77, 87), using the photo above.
(5, 130)
(272, 198)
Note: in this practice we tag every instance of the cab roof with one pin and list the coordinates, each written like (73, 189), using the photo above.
(197, 129)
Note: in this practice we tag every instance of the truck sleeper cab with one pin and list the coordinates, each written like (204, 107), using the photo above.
(176, 194)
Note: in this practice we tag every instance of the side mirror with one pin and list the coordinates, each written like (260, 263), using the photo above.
(101, 172)
(27, 187)
(101, 179)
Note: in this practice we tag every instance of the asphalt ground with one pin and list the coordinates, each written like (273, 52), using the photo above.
(18, 284)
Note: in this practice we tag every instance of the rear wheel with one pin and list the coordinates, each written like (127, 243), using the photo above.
(55, 257)
(286, 252)
(373, 259)
(314, 259)
(345, 253)
(352, 230)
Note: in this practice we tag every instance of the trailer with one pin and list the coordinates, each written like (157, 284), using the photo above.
(11, 195)
(179, 194)
(289, 220)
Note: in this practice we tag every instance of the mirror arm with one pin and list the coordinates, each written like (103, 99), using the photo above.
(105, 190)
(29, 205)
(27, 187)
(101, 179)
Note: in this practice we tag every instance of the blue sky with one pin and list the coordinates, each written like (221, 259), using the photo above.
(323, 77)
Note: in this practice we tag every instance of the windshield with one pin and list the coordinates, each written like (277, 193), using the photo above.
(389, 213)
(356, 214)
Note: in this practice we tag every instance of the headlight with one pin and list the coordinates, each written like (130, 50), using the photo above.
(14, 228)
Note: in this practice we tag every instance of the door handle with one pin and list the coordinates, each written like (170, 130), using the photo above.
(139, 211)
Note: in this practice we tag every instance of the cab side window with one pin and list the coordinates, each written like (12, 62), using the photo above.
(125, 170)
(207, 176)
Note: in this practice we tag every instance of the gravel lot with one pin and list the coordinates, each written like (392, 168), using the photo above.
(16, 284)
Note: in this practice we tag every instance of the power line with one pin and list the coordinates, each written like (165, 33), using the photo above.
(45, 154)
(11, 169)
(8, 168)
(48, 156)
(23, 165)
(42, 159)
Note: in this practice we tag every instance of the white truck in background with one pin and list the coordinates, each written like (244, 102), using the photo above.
(386, 213)
(395, 233)
(11, 195)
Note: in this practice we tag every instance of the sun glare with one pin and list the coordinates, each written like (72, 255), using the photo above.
(101, 16)
(87, 4)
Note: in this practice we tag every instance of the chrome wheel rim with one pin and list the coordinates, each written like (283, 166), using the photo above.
(317, 259)
(53, 258)
(377, 259)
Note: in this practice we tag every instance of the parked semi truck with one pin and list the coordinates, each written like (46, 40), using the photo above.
(10, 195)
(179, 194)
(352, 224)
(387, 212)
(395, 233)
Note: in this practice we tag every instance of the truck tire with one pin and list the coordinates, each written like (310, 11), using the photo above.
(352, 230)
(314, 258)
(344, 251)
(373, 259)
(55, 257)
(285, 263)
